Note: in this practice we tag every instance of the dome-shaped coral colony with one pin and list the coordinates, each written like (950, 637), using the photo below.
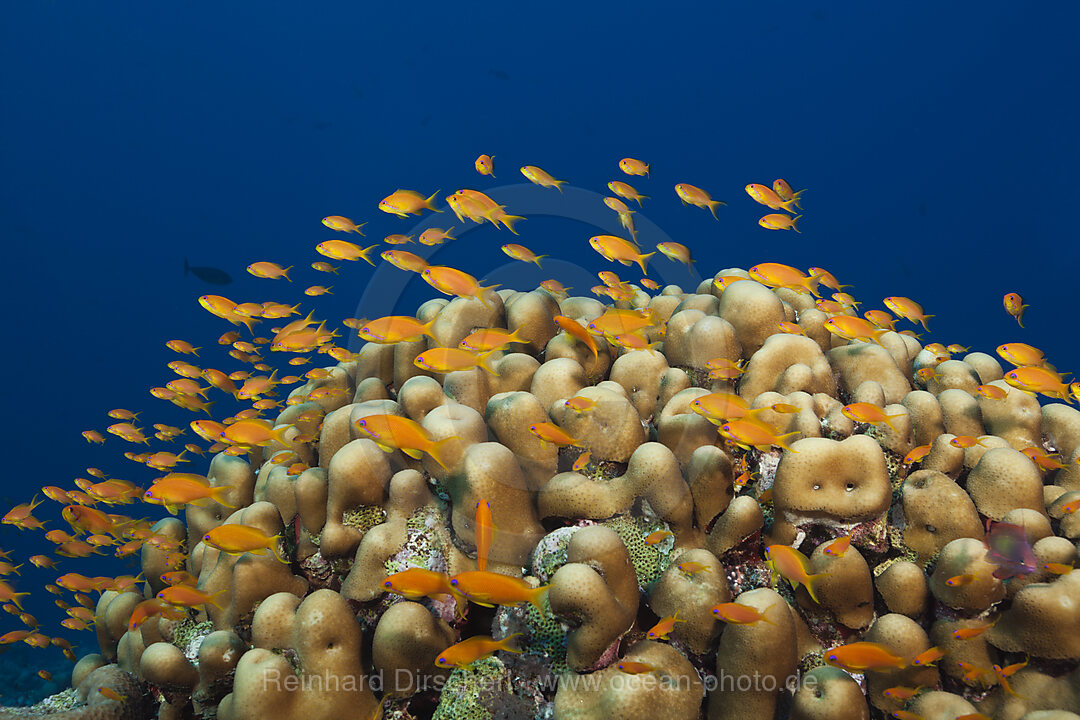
(764, 511)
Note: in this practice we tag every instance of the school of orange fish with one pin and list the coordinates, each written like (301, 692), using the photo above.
(93, 530)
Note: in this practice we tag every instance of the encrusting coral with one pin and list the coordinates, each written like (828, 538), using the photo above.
(574, 525)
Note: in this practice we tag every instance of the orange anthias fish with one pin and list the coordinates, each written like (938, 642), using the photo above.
(451, 281)
(188, 596)
(784, 276)
(484, 530)
(662, 629)
(631, 166)
(626, 191)
(720, 406)
(691, 195)
(485, 165)
(862, 656)
(575, 330)
(1014, 305)
(552, 433)
(870, 413)
(469, 651)
(435, 236)
(540, 177)
(255, 433)
(342, 224)
(634, 668)
(178, 489)
(780, 221)
(616, 249)
(738, 614)
(854, 328)
(520, 252)
(391, 432)
(780, 187)
(269, 270)
(415, 583)
(488, 588)
(487, 339)
(343, 250)
(407, 202)
(1021, 354)
(768, 197)
(793, 566)
(20, 516)
(908, 309)
(750, 432)
(405, 260)
(676, 251)
(447, 360)
(917, 454)
(837, 547)
(234, 539)
(1039, 380)
(394, 329)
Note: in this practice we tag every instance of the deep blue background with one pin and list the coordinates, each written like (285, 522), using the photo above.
(938, 142)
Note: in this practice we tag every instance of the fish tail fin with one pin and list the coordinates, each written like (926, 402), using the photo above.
(811, 580)
(511, 643)
(425, 329)
(480, 293)
(795, 224)
(796, 197)
(217, 495)
(782, 440)
(436, 451)
(559, 184)
(509, 221)
(641, 261)
(273, 547)
(285, 273)
(213, 598)
(890, 418)
(428, 205)
(538, 258)
(536, 596)
(364, 254)
(485, 362)
(713, 204)
(927, 317)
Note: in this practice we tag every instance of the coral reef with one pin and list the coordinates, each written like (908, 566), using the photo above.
(575, 527)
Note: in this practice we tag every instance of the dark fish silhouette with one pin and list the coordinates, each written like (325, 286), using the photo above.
(1008, 548)
(210, 275)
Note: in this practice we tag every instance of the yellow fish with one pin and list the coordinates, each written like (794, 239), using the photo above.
(780, 221)
(469, 651)
(520, 252)
(1014, 305)
(342, 224)
(616, 249)
(626, 191)
(446, 360)
(630, 166)
(541, 178)
(342, 250)
(485, 165)
(407, 202)
(451, 281)
(691, 195)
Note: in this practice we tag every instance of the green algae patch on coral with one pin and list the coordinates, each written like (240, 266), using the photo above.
(363, 517)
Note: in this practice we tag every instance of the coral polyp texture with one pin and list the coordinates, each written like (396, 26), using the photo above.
(717, 502)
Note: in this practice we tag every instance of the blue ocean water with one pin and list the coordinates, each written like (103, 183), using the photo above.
(936, 141)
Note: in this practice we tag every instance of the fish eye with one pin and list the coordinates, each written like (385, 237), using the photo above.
(388, 584)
